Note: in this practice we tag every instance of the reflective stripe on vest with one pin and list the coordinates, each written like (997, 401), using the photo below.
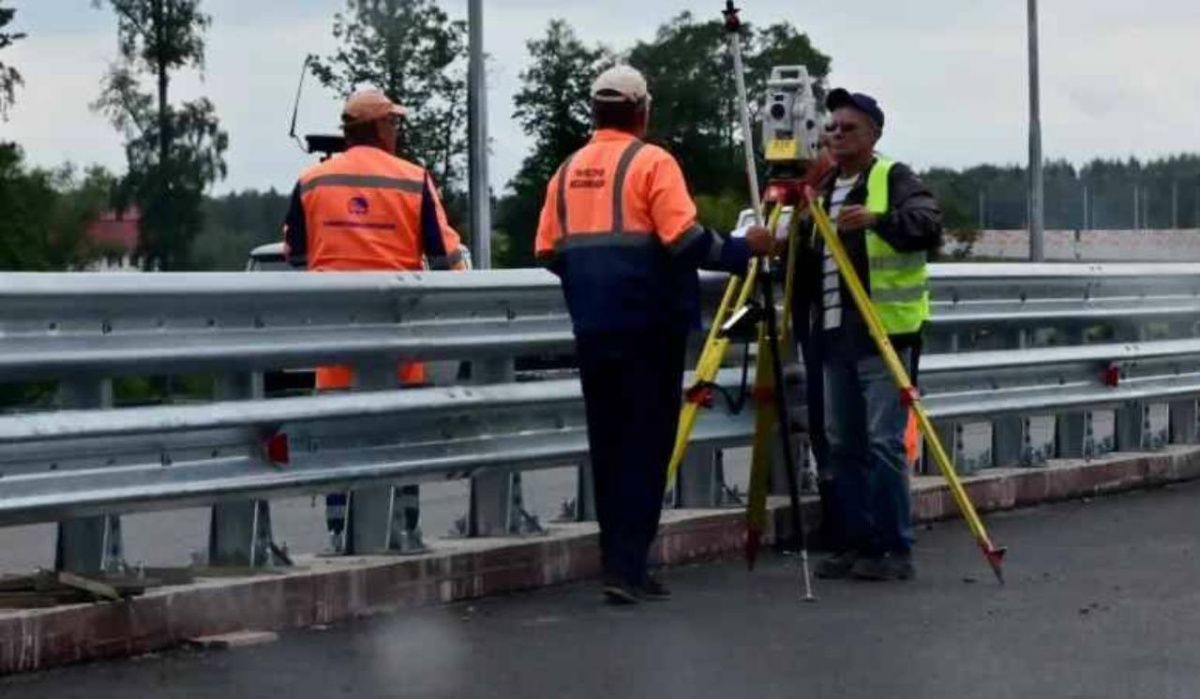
(899, 281)
(617, 236)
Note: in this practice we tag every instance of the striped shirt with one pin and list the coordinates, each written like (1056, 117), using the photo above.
(831, 284)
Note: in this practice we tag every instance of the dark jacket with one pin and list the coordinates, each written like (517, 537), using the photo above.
(913, 223)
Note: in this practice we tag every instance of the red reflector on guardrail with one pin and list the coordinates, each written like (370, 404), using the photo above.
(277, 449)
(1111, 376)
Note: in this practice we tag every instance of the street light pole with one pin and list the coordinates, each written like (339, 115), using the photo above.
(1175, 204)
(481, 202)
(1036, 210)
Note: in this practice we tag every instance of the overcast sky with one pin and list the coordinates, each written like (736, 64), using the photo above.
(1119, 78)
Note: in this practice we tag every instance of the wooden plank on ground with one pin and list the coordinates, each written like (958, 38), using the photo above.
(94, 587)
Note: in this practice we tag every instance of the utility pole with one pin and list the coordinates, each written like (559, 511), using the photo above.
(481, 201)
(982, 210)
(1036, 215)
(1144, 198)
(1175, 204)
(1136, 206)
(1086, 203)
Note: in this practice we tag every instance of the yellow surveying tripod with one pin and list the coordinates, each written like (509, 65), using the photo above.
(771, 408)
(738, 310)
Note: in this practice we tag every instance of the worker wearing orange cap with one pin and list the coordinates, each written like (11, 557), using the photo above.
(619, 228)
(368, 210)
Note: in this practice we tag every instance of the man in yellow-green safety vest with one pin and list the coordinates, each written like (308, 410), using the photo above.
(890, 224)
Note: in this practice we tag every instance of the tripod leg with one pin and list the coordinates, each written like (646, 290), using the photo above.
(785, 436)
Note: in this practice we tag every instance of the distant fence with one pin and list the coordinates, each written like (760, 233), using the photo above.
(1168, 245)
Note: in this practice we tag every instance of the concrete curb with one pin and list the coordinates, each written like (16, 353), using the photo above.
(324, 591)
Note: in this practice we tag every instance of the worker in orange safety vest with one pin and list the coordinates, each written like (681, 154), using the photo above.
(368, 210)
(619, 228)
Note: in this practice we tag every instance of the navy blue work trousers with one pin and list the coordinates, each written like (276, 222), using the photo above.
(632, 386)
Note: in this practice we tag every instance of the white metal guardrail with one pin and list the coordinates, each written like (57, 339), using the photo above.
(1024, 362)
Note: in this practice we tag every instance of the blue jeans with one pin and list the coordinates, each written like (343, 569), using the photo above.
(865, 422)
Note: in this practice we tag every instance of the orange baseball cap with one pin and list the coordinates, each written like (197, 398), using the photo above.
(370, 105)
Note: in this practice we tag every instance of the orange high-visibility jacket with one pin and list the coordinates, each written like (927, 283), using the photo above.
(366, 209)
(619, 228)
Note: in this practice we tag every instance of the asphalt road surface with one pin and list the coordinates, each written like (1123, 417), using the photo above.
(1103, 600)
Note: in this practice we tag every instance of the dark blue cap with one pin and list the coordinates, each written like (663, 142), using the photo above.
(866, 104)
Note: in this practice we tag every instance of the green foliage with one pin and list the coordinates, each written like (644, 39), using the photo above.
(234, 225)
(47, 213)
(10, 79)
(174, 152)
(720, 211)
(553, 108)
(694, 111)
(412, 51)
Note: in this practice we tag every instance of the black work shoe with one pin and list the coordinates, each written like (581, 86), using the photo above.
(617, 592)
(902, 566)
(837, 566)
(891, 566)
(653, 591)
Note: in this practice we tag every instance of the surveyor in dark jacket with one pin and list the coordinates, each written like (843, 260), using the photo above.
(890, 223)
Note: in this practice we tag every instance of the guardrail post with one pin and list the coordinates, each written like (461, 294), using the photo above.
(585, 493)
(88, 544)
(239, 533)
(1143, 426)
(701, 481)
(1038, 439)
(1086, 435)
(1156, 426)
(1011, 434)
(1183, 422)
(382, 518)
(497, 507)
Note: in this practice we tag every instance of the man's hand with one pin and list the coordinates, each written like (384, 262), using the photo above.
(856, 218)
(760, 240)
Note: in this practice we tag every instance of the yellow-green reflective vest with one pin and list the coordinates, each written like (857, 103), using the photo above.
(899, 280)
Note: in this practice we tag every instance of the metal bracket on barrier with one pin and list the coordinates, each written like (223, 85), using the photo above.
(384, 519)
(701, 481)
(1184, 418)
(88, 544)
(240, 533)
(1143, 426)
(497, 506)
(1087, 435)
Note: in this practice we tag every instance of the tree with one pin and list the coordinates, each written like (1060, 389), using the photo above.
(174, 152)
(235, 224)
(552, 107)
(10, 79)
(47, 213)
(412, 51)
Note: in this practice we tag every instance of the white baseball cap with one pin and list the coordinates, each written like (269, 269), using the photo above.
(621, 83)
